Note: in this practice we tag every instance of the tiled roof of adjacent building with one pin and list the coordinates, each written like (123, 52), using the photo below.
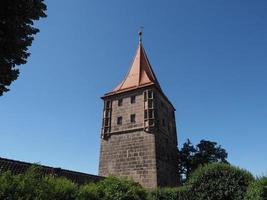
(19, 167)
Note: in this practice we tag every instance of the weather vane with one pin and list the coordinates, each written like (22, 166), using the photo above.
(140, 33)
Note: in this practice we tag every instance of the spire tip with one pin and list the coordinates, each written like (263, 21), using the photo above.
(140, 33)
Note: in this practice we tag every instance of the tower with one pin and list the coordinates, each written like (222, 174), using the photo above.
(138, 136)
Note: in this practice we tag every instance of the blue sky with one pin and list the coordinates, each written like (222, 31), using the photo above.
(209, 56)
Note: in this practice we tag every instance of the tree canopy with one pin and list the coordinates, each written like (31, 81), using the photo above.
(16, 35)
(191, 157)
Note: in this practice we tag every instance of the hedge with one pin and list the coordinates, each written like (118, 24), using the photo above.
(210, 182)
(257, 190)
(34, 186)
(219, 182)
(120, 189)
(180, 193)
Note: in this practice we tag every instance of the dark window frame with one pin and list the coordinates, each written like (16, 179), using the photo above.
(120, 102)
(133, 99)
(133, 118)
(163, 122)
(108, 104)
(119, 120)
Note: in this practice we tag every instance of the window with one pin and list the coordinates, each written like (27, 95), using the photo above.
(132, 99)
(106, 122)
(120, 102)
(133, 118)
(169, 126)
(150, 94)
(150, 103)
(163, 123)
(150, 114)
(145, 95)
(107, 113)
(145, 114)
(119, 121)
(108, 103)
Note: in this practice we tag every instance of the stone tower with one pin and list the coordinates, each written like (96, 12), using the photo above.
(138, 137)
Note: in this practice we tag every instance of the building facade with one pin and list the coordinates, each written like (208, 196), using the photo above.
(138, 136)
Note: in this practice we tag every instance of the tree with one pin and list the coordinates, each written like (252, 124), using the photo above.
(219, 181)
(190, 157)
(16, 35)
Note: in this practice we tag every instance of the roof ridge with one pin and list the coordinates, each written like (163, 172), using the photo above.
(140, 72)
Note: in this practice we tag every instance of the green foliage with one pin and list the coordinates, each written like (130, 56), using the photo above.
(121, 189)
(209, 182)
(219, 182)
(58, 188)
(257, 190)
(190, 157)
(90, 191)
(112, 188)
(180, 193)
(34, 186)
(29, 185)
(16, 35)
(7, 184)
(24, 186)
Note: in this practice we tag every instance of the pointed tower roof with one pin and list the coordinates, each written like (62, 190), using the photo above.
(140, 73)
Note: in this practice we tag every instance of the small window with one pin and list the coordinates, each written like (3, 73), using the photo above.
(145, 114)
(151, 122)
(133, 119)
(106, 130)
(145, 95)
(120, 102)
(107, 113)
(150, 94)
(106, 122)
(163, 123)
(119, 120)
(132, 99)
(150, 103)
(108, 103)
(150, 114)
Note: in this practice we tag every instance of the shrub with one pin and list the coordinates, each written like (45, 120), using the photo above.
(220, 182)
(58, 188)
(23, 186)
(113, 188)
(257, 190)
(32, 185)
(7, 186)
(90, 191)
(180, 193)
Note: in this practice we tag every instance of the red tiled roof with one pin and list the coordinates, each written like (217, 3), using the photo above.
(140, 74)
(18, 167)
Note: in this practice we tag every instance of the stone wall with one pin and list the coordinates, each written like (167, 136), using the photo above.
(167, 161)
(126, 109)
(130, 155)
(166, 144)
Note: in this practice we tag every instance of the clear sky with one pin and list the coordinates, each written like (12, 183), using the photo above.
(210, 58)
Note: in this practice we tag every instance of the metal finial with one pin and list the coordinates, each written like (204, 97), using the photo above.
(140, 33)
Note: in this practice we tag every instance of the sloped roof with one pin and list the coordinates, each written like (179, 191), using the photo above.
(139, 75)
(19, 167)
